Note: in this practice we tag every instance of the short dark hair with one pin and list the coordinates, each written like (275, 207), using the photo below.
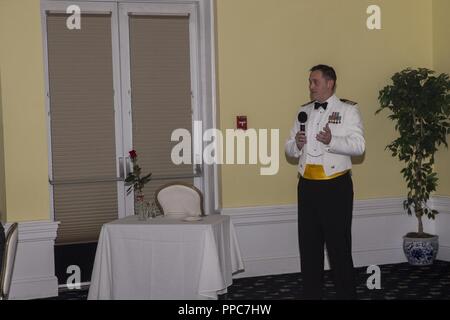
(327, 71)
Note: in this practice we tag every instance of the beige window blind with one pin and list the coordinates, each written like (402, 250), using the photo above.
(82, 126)
(161, 93)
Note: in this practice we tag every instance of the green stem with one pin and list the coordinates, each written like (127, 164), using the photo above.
(418, 165)
(419, 218)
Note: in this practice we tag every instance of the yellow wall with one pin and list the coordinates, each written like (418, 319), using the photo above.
(23, 106)
(441, 61)
(265, 49)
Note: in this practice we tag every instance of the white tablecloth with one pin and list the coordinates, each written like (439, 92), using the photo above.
(165, 258)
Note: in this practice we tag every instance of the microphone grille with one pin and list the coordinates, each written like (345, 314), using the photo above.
(302, 117)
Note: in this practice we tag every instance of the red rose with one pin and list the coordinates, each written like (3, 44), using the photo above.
(133, 154)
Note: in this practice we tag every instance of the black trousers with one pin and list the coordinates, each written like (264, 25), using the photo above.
(325, 217)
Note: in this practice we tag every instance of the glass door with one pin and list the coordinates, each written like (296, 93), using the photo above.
(159, 86)
(85, 135)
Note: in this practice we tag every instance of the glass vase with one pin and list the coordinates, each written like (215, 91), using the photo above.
(139, 206)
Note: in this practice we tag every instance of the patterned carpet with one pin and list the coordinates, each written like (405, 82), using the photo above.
(398, 282)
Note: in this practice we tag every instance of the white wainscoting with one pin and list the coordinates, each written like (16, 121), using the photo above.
(267, 237)
(442, 204)
(269, 241)
(34, 268)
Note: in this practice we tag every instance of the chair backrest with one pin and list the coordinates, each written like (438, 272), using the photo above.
(179, 198)
(9, 257)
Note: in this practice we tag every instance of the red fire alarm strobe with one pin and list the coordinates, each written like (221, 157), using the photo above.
(241, 122)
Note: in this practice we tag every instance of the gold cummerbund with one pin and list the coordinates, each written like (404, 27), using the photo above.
(316, 172)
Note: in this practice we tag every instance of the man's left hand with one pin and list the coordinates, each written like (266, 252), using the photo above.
(325, 135)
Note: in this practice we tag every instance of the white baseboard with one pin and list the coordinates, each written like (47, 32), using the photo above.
(34, 268)
(255, 267)
(267, 237)
(362, 258)
(269, 241)
(444, 253)
(442, 204)
(34, 288)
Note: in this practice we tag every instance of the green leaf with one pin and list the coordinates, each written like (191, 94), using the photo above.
(419, 102)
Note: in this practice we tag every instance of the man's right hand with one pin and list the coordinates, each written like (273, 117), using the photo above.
(300, 139)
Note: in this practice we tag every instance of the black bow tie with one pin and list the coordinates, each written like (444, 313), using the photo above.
(317, 105)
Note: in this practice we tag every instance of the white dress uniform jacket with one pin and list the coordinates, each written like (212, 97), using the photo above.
(344, 120)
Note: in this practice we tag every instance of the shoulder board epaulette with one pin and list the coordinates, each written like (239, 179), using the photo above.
(349, 102)
(304, 105)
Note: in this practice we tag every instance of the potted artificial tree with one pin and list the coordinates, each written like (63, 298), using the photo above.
(420, 106)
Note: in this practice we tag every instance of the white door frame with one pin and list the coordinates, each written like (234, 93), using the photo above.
(205, 99)
(164, 9)
(90, 7)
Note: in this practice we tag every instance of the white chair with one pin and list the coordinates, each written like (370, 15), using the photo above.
(179, 199)
(9, 256)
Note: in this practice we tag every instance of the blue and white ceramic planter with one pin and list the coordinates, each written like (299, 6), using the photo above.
(420, 251)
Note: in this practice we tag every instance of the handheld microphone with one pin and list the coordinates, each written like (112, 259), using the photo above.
(302, 118)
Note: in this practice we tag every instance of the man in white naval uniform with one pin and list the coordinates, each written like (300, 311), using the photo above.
(326, 134)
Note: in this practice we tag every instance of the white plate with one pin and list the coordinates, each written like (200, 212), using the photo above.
(192, 219)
